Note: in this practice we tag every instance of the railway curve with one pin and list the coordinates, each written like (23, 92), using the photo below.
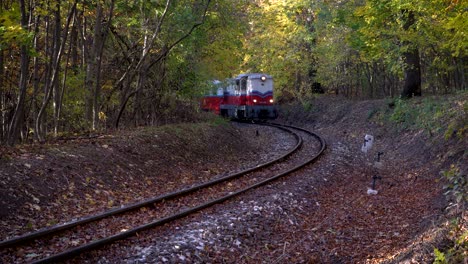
(188, 198)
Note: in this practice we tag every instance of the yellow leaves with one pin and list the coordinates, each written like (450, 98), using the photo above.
(102, 116)
(34, 207)
(90, 199)
(10, 34)
(75, 243)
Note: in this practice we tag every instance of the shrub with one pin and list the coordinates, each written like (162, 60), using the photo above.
(456, 187)
(457, 191)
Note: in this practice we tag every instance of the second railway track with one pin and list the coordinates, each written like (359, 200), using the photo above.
(67, 240)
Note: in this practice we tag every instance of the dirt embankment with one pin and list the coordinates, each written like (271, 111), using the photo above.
(408, 218)
(43, 185)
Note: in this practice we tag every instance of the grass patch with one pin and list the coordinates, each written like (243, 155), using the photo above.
(218, 121)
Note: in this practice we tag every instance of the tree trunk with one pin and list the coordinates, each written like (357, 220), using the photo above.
(74, 44)
(91, 62)
(460, 78)
(18, 117)
(2, 98)
(59, 102)
(412, 86)
(36, 77)
(57, 46)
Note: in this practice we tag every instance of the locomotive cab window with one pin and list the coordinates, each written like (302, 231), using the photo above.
(243, 84)
(237, 88)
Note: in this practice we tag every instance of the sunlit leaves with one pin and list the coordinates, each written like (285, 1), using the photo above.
(436, 25)
(455, 27)
(11, 31)
(279, 40)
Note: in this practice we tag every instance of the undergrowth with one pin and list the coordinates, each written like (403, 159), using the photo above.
(446, 116)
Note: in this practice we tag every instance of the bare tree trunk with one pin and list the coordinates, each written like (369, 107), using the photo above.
(3, 127)
(57, 46)
(59, 102)
(141, 82)
(36, 77)
(18, 116)
(48, 51)
(2, 97)
(91, 62)
(74, 43)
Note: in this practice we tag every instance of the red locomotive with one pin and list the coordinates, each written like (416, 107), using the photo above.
(212, 101)
(248, 96)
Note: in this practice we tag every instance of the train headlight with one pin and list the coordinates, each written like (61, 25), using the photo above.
(255, 100)
(263, 78)
(271, 100)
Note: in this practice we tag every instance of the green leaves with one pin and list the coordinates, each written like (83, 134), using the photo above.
(363, 33)
(457, 185)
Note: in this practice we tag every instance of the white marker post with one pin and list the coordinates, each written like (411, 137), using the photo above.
(366, 147)
(368, 142)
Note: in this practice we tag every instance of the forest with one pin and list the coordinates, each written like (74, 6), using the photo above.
(68, 66)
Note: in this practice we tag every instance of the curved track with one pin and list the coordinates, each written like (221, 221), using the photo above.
(184, 202)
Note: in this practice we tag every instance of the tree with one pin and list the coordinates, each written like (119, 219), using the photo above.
(394, 47)
(146, 61)
(279, 42)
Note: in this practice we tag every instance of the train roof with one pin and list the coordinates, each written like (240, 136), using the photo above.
(253, 75)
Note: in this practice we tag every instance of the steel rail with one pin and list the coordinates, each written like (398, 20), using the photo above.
(101, 242)
(66, 226)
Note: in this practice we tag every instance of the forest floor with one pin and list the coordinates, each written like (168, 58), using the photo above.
(321, 214)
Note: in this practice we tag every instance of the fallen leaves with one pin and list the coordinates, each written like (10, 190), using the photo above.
(326, 214)
(34, 206)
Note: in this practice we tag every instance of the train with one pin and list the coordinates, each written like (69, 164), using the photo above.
(248, 96)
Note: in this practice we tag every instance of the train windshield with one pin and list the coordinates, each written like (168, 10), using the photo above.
(260, 85)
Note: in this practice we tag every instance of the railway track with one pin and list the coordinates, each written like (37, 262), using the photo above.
(67, 240)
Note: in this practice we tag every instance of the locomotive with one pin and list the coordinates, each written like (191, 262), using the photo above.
(247, 96)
